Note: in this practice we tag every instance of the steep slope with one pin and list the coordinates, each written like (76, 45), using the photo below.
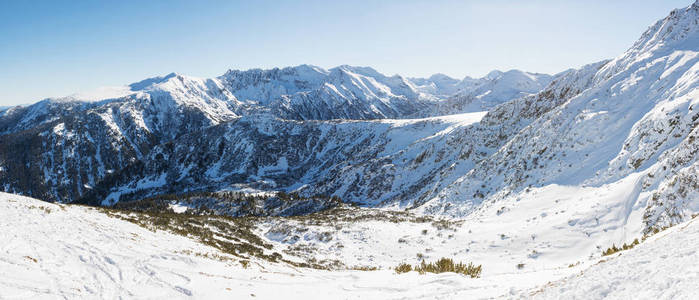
(18, 118)
(312, 93)
(57, 150)
(78, 140)
(359, 161)
(346, 92)
(637, 115)
(664, 267)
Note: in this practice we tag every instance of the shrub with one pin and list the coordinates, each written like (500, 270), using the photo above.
(614, 248)
(611, 250)
(442, 265)
(403, 268)
(364, 268)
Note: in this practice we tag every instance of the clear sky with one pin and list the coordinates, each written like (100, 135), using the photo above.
(56, 48)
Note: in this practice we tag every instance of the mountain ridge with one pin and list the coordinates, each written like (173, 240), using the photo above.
(589, 126)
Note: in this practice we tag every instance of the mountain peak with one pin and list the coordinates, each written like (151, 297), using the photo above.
(151, 81)
(306, 68)
(366, 71)
(681, 25)
(442, 77)
(494, 74)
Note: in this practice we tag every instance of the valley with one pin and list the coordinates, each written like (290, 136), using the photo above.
(305, 182)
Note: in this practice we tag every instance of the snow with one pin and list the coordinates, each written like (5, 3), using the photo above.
(463, 119)
(663, 267)
(102, 93)
(533, 186)
(83, 253)
(281, 166)
(86, 254)
(546, 229)
(58, 129)
(141, 184)
(473, 95)
(178, 207)
(52, 251)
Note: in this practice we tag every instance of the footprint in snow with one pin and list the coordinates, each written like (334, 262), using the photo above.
(183, 290)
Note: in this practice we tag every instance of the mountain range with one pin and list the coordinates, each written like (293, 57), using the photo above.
(80, 141)
(582, 184)
(438, 144)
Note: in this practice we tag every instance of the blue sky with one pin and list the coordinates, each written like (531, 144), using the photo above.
(56, 48)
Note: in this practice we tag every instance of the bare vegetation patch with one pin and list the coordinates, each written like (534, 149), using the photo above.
(443, 265)
(348, 214)
(45, 209)
(232, 236)
(403, 268)
(614, 248)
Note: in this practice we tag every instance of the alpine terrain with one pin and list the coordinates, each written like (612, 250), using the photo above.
(346, 183)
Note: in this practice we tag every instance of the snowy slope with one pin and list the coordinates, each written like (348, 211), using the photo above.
(637, 113)
(483, 94)
(664, 267)
(18, 118)
(75, 142)
(308, 92)
(541, 184)
(77, 252)
(82, 253)
(359, 161)
(51, 251)
(57, 149)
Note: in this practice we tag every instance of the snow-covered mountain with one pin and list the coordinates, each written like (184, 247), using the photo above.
(364, 162)
(359, 161)
(534, 178)
(58, 149)
(636, 117)
(277, 129)
(483, 94)
(312, 93)
(80, 139)
(630, 117)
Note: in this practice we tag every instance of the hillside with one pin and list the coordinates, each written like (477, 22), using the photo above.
(664, 267)
(85, 252)
(637, 116)
(78, 141)
(263, 183)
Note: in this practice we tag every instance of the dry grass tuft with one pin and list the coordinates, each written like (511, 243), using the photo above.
(442, 265)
